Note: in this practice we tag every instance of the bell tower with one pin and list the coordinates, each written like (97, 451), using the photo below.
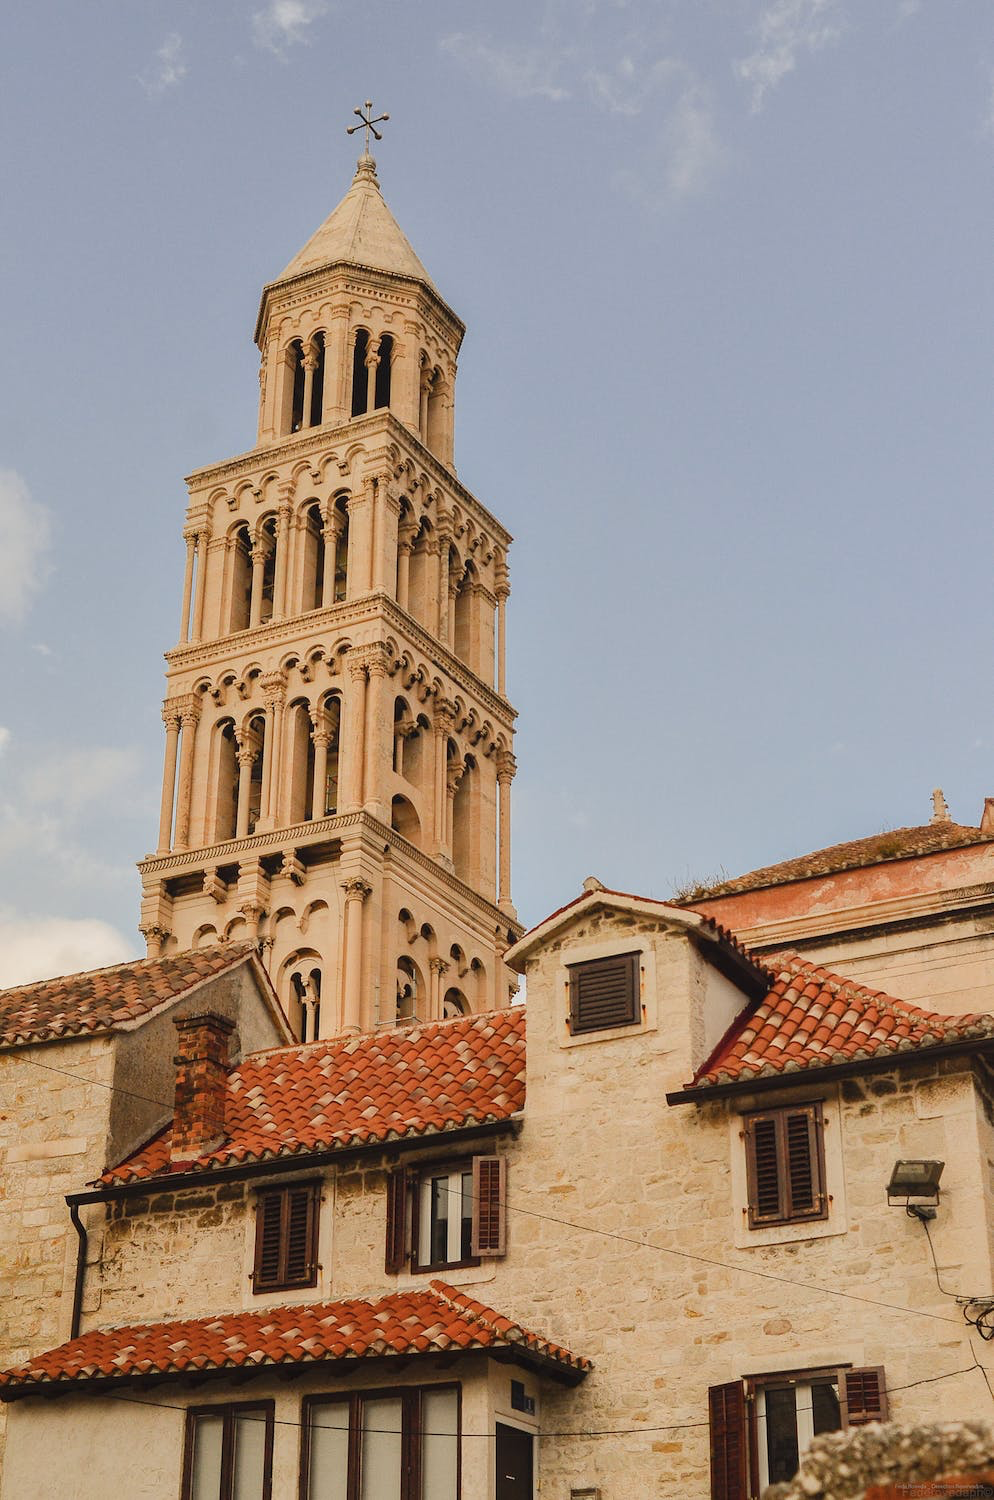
(338, 756)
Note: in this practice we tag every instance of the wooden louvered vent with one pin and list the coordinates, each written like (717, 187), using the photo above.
(489, 1205)
(286, 1226)
(604, 993)
(785, 1165)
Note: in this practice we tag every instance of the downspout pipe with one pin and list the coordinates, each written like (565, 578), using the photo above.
(77, 1296)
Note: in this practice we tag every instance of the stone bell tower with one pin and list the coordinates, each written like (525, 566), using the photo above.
(338, 741)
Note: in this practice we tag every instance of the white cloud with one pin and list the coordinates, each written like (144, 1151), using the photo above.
(282, 23)
(786, 29)
(627, 88)
(26, 532)
(168, 69)
(75, 779)
(522, 72)
(43, 947)
(692, 149)
(4, 738)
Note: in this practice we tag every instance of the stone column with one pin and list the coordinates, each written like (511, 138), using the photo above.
(444, 549)
(321, 738)
(154, 939)
(356, 890)
(424, 392)
(503, 590)
(283, 526)
(360, 544)
(379, 722)
(437, 969)
(273, 686)
(331, 531)
(171, 719)
(335, 342)
(405, 546)
(310, 365)
(352, 738)
(372, 364)
(443, 728)
(189, 718)
(260, 551)
(506, 767)
(450, 628)
(247, 755)
(191, 547)
(268, 373)
(203, 537)
(455, 769)
(385, 516)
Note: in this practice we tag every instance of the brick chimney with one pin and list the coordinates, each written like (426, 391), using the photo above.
(987, 818)
(201, 1084)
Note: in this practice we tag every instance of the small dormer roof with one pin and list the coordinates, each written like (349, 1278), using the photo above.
(361, 230)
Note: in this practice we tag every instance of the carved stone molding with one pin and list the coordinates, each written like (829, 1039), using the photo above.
(356, 889)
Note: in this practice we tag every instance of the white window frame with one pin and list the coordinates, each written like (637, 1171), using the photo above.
(454, 1255)
(803, 1418)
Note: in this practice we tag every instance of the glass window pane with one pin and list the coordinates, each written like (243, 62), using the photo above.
(381, 1458)
(439, 1445)
(249, 1464)
(208, 1436)
(781, 1434)
(825, 1409)
(466, 1245)
(439, 1221)
(329, 1466)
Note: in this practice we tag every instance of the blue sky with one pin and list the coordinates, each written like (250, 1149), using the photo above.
(726, 269)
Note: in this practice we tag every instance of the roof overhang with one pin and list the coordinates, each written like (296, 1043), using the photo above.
(354, 268)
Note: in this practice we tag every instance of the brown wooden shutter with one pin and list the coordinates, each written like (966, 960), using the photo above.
(729, 1448)
(268, 1223)
(396, 1251)
(604, 993)
(299, 1238)
(865, 1396)
(489, 1205)
(785, 1165)
(765, 1180)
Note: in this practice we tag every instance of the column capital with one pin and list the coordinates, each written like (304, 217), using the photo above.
(171, 712)
(187, 708)
(292, 867)
(506, 766)
(273, 686)
(356, 889)
(454, 773)
(445, 716)
(311, 355)
(374, 657)
(438, 966)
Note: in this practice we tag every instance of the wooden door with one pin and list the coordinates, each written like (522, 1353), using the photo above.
(514, 1464)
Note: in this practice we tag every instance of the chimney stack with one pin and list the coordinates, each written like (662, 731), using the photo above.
(987, 817)
(201, 1084)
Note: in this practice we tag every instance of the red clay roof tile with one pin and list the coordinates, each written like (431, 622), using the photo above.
(813, 1018)
(100, 999)
(431, 1321)
(360, 1090)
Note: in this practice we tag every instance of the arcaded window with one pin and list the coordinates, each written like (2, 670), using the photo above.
(360, 374)
(385, 353)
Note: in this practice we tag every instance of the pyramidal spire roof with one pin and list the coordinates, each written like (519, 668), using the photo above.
(361, 230)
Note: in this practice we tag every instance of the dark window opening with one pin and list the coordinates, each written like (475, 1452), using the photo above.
(360, 374)
(382, 388)
(297, 402)
(447, 1216)
(286, 1237)
(317, 386)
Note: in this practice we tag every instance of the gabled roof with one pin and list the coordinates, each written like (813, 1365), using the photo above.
(361, 231)
(813, 1019)
(108, 999)
(437, 1320)
(857, 854)
(358, 1091)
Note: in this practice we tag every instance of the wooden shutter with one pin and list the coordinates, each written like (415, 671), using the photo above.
(268, 1223)
(604, 993)
(729, 1447)
(396, 1251)
(785, 1165)
(865, 1396)
(300, 1215)
(489, 1205)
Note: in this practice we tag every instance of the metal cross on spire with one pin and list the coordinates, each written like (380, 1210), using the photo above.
(367, 125)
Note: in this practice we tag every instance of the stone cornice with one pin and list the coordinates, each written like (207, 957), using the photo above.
(303, 444)
(364, 610)
(347, 272)
(906, 912)
(303, 835)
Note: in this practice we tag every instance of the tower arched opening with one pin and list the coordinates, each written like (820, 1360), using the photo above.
(312, 568)
(295, 361)
(465, 600)
(381, 389)
(301, 992)
(463, 829)
(299, 753)
(240, 579)
(410, 990)
(226, 778)
(360, 373)
(454, 1003)
(405, 821)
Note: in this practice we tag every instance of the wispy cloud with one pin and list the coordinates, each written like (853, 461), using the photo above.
(686, 155)
(77, 779)
(26, 532)
(168, 68)
(285, 23)
(4, 738)
(785, 31)
(33, 947)
(627, 88)
(522, 72)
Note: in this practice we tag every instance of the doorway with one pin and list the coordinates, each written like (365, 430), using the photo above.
(515, 1463)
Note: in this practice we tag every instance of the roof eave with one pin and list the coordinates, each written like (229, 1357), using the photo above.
(813, 1076)
(355, 267)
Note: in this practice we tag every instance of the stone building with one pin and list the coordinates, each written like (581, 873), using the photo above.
(338, 737)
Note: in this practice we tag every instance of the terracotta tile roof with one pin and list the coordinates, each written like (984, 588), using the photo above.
(361, 1090)
(437, 1320)
(813, 1019)
(898, 843)
(100, 999)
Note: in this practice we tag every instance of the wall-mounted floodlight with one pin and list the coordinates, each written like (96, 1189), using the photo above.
(914, 1185)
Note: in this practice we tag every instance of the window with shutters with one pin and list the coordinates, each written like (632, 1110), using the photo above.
(286, 1237)
(761, 1427)
(228, 1454)
(382, 1445)
(446, 1216)
(605, 993)
(785, 1165)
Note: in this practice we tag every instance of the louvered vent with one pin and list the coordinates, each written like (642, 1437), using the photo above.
(604, 993)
